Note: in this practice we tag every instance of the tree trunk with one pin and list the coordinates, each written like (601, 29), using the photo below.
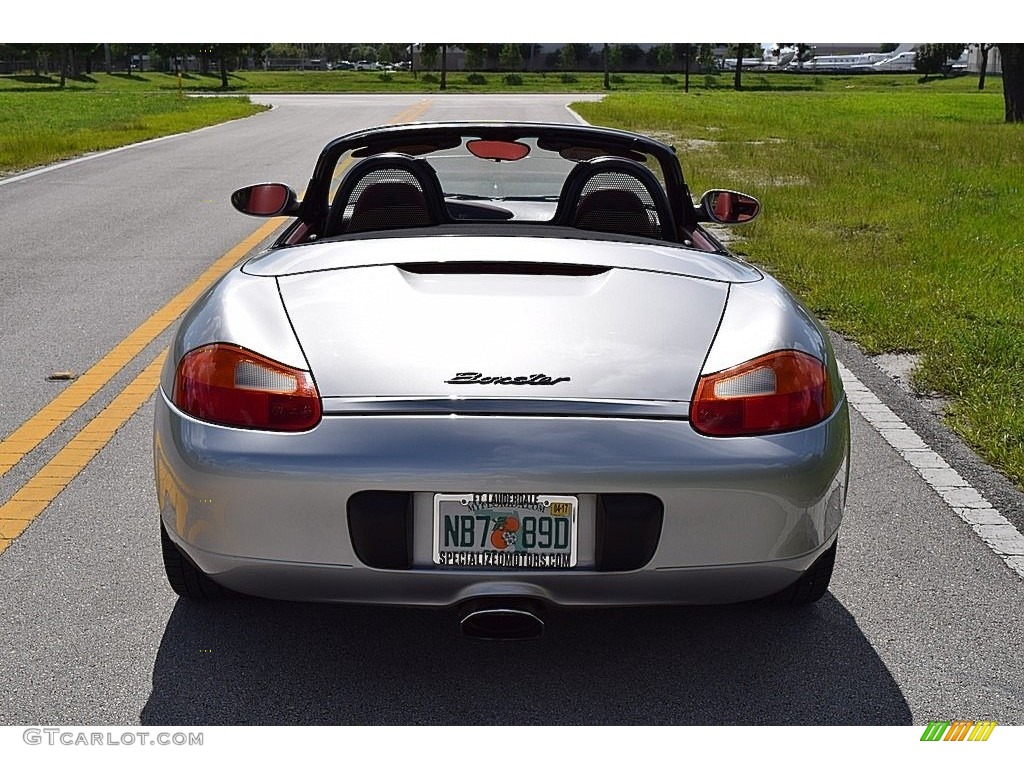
(223, 70)
(686, 75)
(604, 59)
(444, 66)
(1012, 55)
(106, 58)
(736, 81)
(63, 65)
(983, 49)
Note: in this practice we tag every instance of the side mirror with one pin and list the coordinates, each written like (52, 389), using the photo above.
(724, 206)
(266, 200)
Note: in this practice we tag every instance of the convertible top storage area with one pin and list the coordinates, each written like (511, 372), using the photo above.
(479, 244)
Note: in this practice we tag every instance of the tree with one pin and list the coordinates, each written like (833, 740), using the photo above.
(615, 59)
(706, 56)
(604, 63)
(428, 55)
(476, 55)
(510, 57)
(224, 51)
(983, 49)
(933, 58)
(567, 58)
(741, 50)
(1012, 55)
(631, 53)
(584, 53)
(687, 54)
(385, 54)
(660, 57)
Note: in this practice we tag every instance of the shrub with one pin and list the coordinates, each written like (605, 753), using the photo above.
(475, 78)
(512, 79)
(567, 78)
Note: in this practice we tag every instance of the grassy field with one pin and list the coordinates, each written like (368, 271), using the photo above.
(897, 216)
(349, 81)
(892, 207)
(42, 127)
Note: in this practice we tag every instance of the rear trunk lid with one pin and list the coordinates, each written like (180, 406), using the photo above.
(482, 329)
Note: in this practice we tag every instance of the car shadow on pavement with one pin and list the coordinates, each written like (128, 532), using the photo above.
(257, 662)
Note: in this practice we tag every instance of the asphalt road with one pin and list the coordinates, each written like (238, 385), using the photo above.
(923, 620)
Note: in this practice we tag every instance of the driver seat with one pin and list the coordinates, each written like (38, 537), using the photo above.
(387, 191)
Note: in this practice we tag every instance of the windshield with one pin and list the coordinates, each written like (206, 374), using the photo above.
(420, 174)
(539, 175)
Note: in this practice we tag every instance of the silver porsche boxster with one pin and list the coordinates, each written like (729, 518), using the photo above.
(500, 367)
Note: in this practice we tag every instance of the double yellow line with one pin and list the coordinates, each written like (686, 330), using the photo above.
(42, 488)
(33, 497)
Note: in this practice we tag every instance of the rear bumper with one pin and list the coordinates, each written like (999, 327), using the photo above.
(266, 513)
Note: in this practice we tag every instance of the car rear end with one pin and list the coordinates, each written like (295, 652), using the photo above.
(646, 428)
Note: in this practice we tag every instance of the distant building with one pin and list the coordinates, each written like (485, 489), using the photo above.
(994, 65)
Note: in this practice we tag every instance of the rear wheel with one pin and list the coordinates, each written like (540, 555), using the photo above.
(812, 584)
(184, 577)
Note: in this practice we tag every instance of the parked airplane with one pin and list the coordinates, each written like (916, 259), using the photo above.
(901, 62)
(840, 62)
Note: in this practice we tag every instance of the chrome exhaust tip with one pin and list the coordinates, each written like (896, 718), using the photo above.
(502, 621)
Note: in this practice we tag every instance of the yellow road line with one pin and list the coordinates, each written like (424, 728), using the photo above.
(40, 426)
(407, 115)
(42, 488)
(33, 497)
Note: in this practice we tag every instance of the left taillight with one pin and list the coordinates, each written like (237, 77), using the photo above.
(230, 385)
(778, 392)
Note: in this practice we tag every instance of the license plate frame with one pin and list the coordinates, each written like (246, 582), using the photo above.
(468, 529)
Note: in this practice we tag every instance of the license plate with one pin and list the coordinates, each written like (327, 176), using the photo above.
(505, 530)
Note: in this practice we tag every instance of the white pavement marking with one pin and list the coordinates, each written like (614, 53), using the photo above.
(969, 505)
(579, 119)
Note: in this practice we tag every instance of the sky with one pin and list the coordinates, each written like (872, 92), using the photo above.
(475, 21)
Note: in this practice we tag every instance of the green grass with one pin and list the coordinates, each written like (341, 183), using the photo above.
(42, 127)
(894, 208)
(898, 216)
(349, 81)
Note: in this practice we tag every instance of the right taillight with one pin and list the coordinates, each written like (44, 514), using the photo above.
(231, 385)
(778, 392)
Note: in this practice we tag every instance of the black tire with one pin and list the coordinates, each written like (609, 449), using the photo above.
(812, 584)
(183, 575)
